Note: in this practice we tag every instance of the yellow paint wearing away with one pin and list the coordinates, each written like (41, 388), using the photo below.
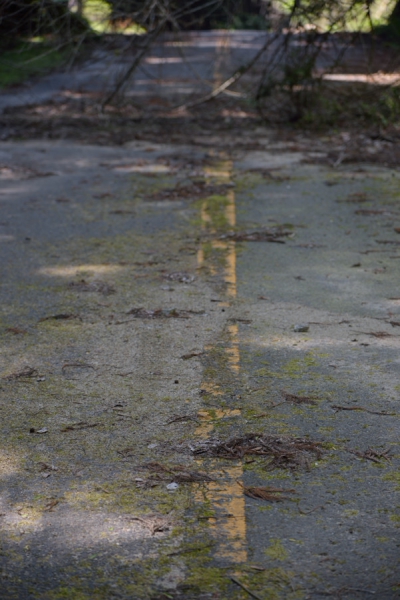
(228, 500)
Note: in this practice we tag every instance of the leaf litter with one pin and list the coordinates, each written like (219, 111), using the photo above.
(284, 452)
(260, 235)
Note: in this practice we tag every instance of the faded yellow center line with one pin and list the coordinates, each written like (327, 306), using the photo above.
(230, 526)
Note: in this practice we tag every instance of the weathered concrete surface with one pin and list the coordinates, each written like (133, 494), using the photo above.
(88, 234)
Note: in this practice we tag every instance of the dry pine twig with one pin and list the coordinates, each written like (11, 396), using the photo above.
(284, 452)
(337, 407)
(25, 372)
(371, 454)
(245, 588)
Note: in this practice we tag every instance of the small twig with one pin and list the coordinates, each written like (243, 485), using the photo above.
(98, 487)
(307, 512)
(191, 355)
(377, 334)
(372, 412)
(25, 372)
(371, 454)
(122, 414)
(245, 588)
(79, 426)
(265, 493)
(81, 365)
(182, 418)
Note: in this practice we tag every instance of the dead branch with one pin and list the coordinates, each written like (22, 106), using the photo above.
(151, 37)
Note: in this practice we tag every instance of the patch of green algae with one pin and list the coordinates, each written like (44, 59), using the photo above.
(276, 550)
(394, 477)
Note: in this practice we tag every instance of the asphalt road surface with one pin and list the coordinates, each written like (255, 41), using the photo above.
(199, 372)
